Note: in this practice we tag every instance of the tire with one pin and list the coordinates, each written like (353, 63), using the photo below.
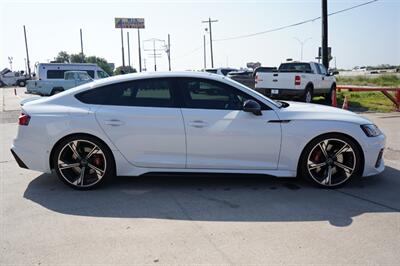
(308, 94)
(21, 83)
(328, 97)
(328, 170)
(79, 153)
(55, 91)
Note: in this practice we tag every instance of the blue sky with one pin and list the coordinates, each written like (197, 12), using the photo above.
(368, 35)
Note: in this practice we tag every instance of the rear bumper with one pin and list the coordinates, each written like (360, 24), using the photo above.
(282, 93)
(19, 161)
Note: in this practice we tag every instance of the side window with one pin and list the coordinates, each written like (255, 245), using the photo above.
(149, 92)
(208, 94)
(55, 74)
(69, 75)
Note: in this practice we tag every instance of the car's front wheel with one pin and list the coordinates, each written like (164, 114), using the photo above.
(331, 160)
(83, 162)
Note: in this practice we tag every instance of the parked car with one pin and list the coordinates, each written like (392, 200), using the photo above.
(220, 71)
(245, 77)
(13, 78)
(134, 124)
(44, 71)
(54, 86)
(297, 80)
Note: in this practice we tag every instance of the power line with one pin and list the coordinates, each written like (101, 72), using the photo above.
(294, 24)
(278, 28)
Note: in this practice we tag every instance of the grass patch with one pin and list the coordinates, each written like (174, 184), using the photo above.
(363, 101)
(382, 81)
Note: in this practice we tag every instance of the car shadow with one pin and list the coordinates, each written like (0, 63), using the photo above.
(233, 198)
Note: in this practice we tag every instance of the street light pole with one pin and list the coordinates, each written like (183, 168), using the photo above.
(302, 44)
(209, 21)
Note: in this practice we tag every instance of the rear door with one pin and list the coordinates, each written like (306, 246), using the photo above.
(143, 120)
(219, 135)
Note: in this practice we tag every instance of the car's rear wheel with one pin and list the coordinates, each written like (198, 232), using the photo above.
(331, 160)
(83, 162)
(308, 94)
(21, 83)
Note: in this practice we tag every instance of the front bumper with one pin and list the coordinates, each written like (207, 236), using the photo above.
(373, 153)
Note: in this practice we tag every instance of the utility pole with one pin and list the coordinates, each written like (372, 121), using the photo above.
(129, 50)
(324, 46)
(140, 54)
(169, 53)
(27, 54)
(83, 57)
(204, 51)
(122, 45)
(209, 21)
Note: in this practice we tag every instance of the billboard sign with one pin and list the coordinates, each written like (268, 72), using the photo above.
(129, 23)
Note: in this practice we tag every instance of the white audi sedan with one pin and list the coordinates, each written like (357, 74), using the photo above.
(190, 122)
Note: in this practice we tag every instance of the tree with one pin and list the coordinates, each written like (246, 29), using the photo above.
(62, 57)
(101, 62)
(77, 58)
(124, 70)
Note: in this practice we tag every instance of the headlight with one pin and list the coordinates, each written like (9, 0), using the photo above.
(371, 130)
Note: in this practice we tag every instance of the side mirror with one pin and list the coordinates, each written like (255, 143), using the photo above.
(252, 106)
(333, 72)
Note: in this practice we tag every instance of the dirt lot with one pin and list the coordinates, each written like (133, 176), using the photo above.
(226, 219)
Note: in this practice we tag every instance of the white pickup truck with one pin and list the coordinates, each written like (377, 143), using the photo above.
(297, 80)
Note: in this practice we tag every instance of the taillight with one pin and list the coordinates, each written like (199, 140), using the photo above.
(23, 119)
(297, 80)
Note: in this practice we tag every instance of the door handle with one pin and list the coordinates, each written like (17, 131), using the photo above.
(114, 122)
(197, 123)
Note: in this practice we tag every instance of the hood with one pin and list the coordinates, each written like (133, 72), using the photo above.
(309, 111)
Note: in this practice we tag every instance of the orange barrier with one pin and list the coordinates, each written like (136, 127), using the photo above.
(385, 90)
(334, 99)
(345, 103)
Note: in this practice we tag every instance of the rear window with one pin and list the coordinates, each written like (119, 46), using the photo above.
(295, 67)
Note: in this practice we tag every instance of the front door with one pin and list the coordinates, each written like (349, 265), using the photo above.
(219, 135)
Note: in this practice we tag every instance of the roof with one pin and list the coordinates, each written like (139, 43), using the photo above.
(133, 76)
